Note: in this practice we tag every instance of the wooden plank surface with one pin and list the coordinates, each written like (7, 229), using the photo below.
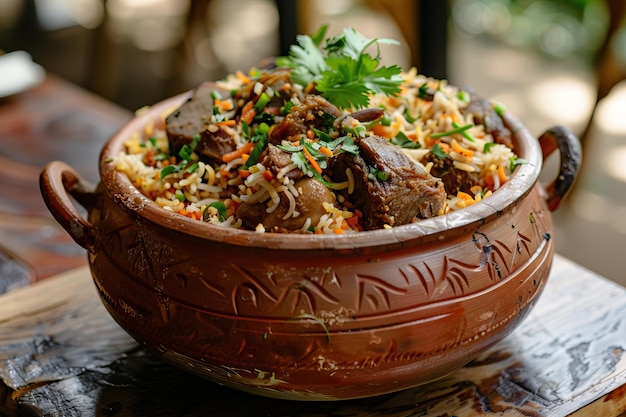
(61, 354)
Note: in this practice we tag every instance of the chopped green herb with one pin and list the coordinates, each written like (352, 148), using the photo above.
(515, 161)
(191, 168)
(168, 170)
(459, 129)
(323, 136)
(290, 148)
(464, 96)
(375, 173)
(424, 92)
(404, 142)
(499, 108)
(257, 151)
(438, 152)
(488, 146)
(342, 71)
(221, 210)
(465, 133)
(260, 104)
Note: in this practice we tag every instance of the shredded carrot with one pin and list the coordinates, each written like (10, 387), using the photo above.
(229, 122)
(312, 161)
(502, 175)
(456, 147)
(310, 134)
(326, 151)
(242, 77)
(248, 113)
(245, 157)
(465, 197)
(244, 173)
(224, 173)
(268, 175)
(183, 212)
(247, 148)
(337, 230)
(226, 105)
(382, 131)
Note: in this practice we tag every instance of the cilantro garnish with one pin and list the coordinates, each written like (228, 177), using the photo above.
(487, 147)
(515, 161)
(438, 152)
(403, 141)
(342, 71)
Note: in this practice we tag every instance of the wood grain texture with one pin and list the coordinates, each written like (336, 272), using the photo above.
(61, 354)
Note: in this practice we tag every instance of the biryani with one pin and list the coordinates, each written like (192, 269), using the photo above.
(325, 140)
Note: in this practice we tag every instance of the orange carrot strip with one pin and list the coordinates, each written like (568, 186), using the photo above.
(465, 196)
(456, 147)
(312, 161)
(229, 122)
(326, 151)
(268, 175)
(337, 231)
(248, 113)
(244, 173)
(247, 148)
(502, 175)
(382, 131)
(242, 77)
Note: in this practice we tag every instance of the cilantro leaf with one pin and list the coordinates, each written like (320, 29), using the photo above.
(342, 71)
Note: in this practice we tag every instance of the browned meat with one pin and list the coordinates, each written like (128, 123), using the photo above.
(276, 159)
(192, 118)
(279, 80)
(485, 114)
(407, 194)
(313, 112)
(454, 180)
(308, 205)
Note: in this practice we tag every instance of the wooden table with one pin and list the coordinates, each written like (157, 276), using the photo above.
(55, 121)
(62, 355)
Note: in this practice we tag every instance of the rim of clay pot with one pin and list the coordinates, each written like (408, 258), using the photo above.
(439, 228)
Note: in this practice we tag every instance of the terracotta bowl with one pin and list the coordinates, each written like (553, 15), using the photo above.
(317, 317)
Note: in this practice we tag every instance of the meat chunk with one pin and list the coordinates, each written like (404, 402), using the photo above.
(407, 194)
(312, 194)
(484, 113)
(192, 118)
(276, 160)
(314, 112)
(454, 180)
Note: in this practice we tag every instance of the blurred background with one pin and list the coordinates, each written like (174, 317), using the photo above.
(550, 62)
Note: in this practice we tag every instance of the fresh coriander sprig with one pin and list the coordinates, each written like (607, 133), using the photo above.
(342, 71)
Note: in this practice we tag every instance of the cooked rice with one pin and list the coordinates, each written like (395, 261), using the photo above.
(194, 194)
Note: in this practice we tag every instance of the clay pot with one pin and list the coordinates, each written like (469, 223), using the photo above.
(317, 317)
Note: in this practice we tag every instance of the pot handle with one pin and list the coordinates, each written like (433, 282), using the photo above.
(58, 181)
(561, 138)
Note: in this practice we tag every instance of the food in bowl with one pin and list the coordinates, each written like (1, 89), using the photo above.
(296, 148)
(303, 314)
